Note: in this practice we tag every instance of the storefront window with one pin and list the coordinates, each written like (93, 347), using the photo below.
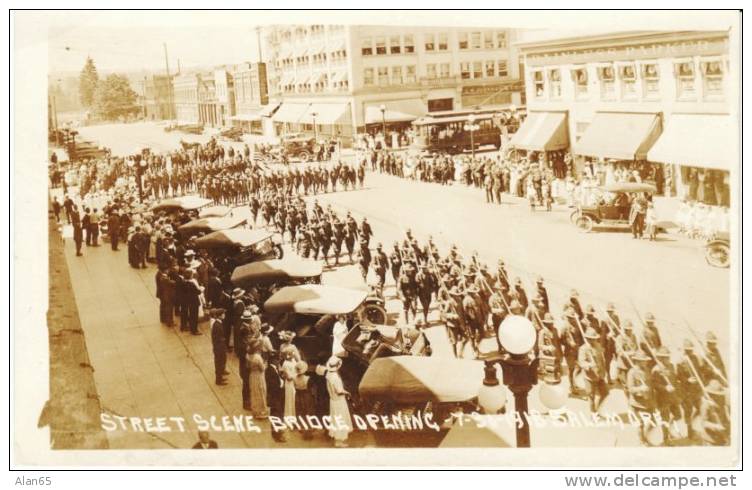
(712, 79)
(367, 49)
(650, 81)
(394, 45)
(380, 45)
(554, 79)
(429, 43)
(685, 80)
(465, 70)
(608, 82)
(628, 79)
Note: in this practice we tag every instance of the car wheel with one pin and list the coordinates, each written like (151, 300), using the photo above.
(584, 223)
(304, 156)
(718, 255)
(573, 217)
(278, 252)
(373, 314)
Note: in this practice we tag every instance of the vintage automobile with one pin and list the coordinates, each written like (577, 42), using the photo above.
(295, 146)
(232, 134)
(233, 247)
(268, 276)
(183, 203)
(718, 250)
(612, 208)
(209, 225)
(349, 276)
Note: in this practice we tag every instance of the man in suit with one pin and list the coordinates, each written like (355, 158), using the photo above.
(113, 229)
(204, 442)
(219, 348)
(86, 225)
(78, 233)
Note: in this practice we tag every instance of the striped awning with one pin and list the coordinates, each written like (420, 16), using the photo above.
(542, 131)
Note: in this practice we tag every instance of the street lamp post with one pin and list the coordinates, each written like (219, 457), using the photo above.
(382, 108)
(315, 133)
(472, 127)
(516, 339)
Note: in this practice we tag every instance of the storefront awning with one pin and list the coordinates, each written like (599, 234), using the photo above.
(619, 135)
(290, 112)
(542, 131)
(326, 113)
(395, 111)
(246, 117)
(697, 140)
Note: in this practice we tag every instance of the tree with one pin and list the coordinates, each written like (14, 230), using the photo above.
(87, 83)
(114, 98)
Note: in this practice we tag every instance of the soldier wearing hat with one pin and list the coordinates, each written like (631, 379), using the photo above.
(626, 345)
(609, 334)
(574, 302)
(451, 315)
(365, 230)
(664, 382)
(519, 290)
(395, 261)
(219, 345)
(651, 337)
(407, 289)
(572, 342)
(639, 390)
(501, 274)
(592, 362)
(690, 386)
(425, 281)
(714, 423)
(550, 349)
(472, 315)
(339, 237)
(364, 257)
(380, 266)
(713, 366)
(542, 292)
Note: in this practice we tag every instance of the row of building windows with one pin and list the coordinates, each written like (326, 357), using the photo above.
(548, 82)
(397, 75)
(383, 75)
(321, 84)
(335, 56)
(405, 44)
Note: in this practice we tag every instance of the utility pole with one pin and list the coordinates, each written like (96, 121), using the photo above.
(258, 42)
(169, 82)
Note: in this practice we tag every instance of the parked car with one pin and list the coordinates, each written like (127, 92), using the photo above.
(613, 208)
(233, 247)
(269, 276)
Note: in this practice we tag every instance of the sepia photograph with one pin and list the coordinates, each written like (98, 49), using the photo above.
(334, 233)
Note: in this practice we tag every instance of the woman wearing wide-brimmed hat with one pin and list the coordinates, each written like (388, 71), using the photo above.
(338, 409)
(286, 337)
(257, 367)
(288, 371)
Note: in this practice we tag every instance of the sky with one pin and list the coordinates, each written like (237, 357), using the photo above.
(132, 41)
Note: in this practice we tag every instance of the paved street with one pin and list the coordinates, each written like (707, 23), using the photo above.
(145, 369)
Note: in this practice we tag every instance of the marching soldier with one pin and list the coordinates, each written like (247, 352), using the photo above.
(426, 285)
(572, 342)
(472, 316)
(592, 362)
(365, 231)
(626, 345)
(690, 386)
(651, 338)
(351, 236)
(395, 260)
(543, 293)
(639, 390)
(712, 364)
(364, 258)
(714, 422)
(406, 290)
(664, 382)
(498, 308)
(339, 237)
(609, 333)
(380, 266)
(549, 348)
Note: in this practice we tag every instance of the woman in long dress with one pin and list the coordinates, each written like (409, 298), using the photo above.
(288, 372)
(257, 366)
(338, 409)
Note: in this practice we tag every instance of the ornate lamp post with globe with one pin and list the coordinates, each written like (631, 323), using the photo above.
(514, 351)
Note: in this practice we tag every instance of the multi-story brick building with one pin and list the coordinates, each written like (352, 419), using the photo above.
(654, 96)
(341, 77)
(250, 95)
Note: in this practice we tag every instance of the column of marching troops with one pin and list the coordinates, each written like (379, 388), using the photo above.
(600, 349)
